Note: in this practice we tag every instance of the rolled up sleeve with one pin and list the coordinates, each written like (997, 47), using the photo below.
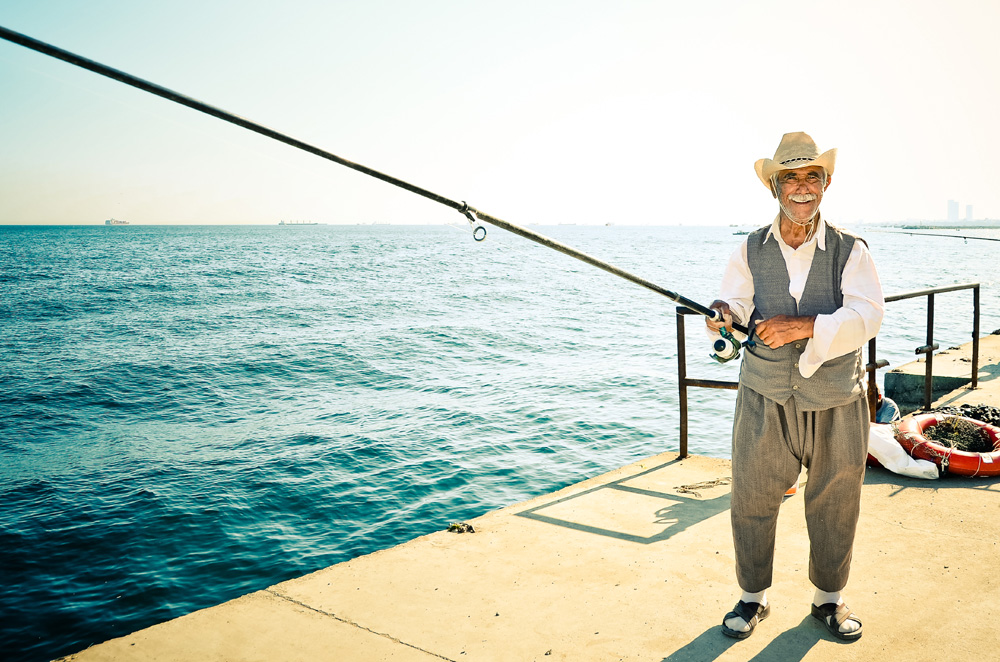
(737, 288)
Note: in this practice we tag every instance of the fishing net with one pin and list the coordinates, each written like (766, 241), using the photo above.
(960, 434)
(984, 413)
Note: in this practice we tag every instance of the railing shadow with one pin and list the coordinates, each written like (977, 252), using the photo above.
(680, 514)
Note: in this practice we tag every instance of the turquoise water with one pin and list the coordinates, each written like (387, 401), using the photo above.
(188, 414)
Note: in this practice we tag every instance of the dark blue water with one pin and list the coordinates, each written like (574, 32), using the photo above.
(188, 414)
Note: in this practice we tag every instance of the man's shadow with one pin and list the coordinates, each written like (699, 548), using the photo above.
(790, 645)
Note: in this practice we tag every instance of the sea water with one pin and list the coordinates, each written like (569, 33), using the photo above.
(191, 413)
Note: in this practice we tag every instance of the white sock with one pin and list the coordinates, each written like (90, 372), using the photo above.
(737, 623)
(823, 597)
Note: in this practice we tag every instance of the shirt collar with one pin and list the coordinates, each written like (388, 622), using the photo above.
(819, 236)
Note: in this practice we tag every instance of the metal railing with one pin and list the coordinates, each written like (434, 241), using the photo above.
(930, 347)
(684, 382)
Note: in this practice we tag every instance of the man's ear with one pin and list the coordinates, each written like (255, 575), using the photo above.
(829, 178)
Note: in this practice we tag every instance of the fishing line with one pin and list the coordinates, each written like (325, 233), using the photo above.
(953, 236)
(475, 217)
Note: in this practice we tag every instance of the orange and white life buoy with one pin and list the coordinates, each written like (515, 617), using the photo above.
(910, 435)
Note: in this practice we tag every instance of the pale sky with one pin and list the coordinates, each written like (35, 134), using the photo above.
(624, 112)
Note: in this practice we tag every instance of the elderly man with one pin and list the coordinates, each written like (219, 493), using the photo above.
(811, 297)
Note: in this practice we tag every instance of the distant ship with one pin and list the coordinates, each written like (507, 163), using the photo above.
(115, 221)
(297, 223)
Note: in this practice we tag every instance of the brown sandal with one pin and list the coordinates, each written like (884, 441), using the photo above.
(833, 615)
(751, 612)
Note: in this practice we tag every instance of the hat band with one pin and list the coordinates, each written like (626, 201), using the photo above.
(798, 158)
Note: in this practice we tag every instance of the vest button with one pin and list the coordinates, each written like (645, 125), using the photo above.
(795, 388)
(798, 346)
(796, 365)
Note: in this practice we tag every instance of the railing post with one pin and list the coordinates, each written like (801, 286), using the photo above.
(871, 369)
(928, 375)
(872, 400)
(975, 335)
(682, 384)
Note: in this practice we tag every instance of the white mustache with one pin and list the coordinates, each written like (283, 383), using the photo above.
(803, 197)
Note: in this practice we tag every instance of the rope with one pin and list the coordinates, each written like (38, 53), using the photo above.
(918, 439)
(692, 489)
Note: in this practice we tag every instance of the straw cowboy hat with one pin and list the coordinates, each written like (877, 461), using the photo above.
(796, 150)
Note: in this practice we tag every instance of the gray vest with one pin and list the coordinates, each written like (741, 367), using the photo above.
(774, 372)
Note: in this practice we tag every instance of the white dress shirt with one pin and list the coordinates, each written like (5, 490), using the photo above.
(843, 331)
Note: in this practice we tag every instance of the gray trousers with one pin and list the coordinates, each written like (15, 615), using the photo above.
(771, 443)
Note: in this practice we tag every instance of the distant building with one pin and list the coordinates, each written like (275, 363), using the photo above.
(968, 213)
(953, 211)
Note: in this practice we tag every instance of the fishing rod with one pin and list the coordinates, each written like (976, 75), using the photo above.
(953, 236)
(472, 214)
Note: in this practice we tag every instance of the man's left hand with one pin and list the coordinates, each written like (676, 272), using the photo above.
(784, 329)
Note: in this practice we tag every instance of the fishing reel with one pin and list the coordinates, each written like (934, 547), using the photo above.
(726, 348)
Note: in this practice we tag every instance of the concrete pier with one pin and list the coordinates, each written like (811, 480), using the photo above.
(952, 372)
(636, 564)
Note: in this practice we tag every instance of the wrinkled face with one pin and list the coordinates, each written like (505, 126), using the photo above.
(800, 191)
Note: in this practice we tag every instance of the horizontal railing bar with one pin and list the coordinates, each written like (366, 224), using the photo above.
(933, 290)
(712, 383)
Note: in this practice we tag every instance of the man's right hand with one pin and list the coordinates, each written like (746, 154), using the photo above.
(727, 317)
